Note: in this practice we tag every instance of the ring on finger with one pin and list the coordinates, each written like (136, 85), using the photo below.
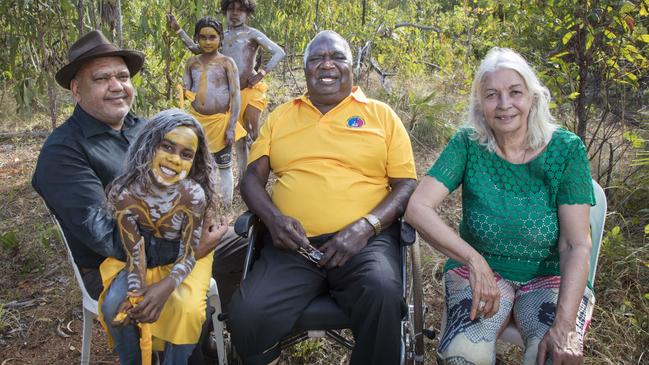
(481, 304)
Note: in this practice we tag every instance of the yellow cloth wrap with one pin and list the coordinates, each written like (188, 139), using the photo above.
(183, 314)
(190, 95)
(146, 345)
(254, 96)
(215, 126)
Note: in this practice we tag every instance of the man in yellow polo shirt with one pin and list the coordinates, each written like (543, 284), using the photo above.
(345, 171)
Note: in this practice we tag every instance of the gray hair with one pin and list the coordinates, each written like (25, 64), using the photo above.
(540, 122)
(137, 167)
(328, 33)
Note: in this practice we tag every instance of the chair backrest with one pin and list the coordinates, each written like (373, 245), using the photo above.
(88, 303)
(597, 219)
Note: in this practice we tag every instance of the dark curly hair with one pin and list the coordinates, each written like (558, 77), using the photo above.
(249, 5)
(206, 22)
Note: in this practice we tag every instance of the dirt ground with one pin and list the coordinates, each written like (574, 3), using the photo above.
(40, 320)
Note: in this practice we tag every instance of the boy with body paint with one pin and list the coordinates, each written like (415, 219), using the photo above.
(211, 82)
(241, 43)
(166, 189)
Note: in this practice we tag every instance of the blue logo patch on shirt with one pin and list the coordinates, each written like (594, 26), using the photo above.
(355, 122)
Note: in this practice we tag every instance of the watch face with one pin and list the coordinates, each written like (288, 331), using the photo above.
(374, 222)
(316, 255)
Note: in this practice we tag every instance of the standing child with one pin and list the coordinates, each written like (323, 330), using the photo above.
(166, 189)
(211, 83)
(242, 42)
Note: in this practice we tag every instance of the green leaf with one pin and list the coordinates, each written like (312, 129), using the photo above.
(566, 38)
(615, 230)
(573, 95)
(627, 6)
(589, 40)
(636, 140)
(643, 38)
(609, 34)
(646, 232)
(559, 55)
(631, 76)
(643, 10)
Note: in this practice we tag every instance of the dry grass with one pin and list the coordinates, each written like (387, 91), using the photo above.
(35, 270)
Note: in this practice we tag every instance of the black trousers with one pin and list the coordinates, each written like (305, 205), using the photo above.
(281, 285)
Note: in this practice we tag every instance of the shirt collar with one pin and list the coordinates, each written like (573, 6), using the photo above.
(357, 94)
(90, 126)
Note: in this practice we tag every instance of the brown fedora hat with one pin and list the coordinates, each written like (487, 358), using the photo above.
(92, 45)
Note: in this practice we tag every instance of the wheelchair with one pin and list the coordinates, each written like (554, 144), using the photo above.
(323, 317)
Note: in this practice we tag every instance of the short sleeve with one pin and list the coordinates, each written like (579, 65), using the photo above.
(261, 146)
(576, 185)
(401, 162)
(451, 163)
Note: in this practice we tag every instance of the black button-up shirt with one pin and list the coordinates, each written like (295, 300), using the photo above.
(77, 161)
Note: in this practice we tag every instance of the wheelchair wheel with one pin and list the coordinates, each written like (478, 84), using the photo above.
(418, 303)
(413, 331)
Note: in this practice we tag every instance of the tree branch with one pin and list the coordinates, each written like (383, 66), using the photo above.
(418, 26)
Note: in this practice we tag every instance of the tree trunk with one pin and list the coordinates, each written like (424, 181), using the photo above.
(583, 62)
(289, 59)
(167, 41)
(317, 14)
(51, 97)
(118, 23)
(364, 11)
(46, 67)
(80, 14)
(93, 14)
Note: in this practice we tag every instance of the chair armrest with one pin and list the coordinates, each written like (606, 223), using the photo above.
(408, 233)
(243, 224)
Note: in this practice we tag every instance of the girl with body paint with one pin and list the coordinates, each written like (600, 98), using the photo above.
(211, 83)
(166, 189)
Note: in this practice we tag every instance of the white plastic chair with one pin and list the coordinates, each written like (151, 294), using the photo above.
(597, 218)
(89, 304)
(90, 309)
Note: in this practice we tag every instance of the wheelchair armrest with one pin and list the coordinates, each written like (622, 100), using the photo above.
(408, 233)
(244, 222)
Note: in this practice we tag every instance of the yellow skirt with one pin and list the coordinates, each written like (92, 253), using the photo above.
(215, 126)
(254, 96)
(182, 316)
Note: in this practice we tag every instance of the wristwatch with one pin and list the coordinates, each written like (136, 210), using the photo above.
(374, 222)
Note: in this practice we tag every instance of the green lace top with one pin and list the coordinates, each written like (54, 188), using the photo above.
(510, 210)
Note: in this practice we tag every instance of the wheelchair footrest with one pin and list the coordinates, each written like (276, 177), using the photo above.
(316, 333)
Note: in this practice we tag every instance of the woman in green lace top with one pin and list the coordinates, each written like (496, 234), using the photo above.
(523, 246)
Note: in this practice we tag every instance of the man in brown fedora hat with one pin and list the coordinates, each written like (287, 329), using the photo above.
(82, 156)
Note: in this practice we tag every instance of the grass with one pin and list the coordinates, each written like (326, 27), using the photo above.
(34, 266)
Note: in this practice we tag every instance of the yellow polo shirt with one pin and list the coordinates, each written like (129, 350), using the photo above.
(333, 169)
